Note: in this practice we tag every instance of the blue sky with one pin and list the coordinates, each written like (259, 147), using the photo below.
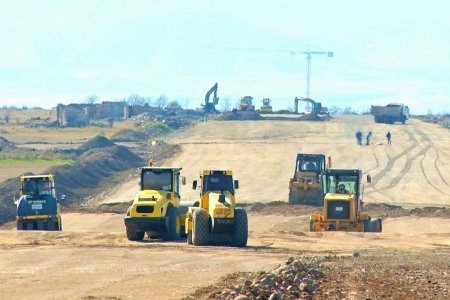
(62, 51)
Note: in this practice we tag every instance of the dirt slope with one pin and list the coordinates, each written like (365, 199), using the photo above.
(262, 155)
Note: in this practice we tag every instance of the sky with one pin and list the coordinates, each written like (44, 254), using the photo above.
(384, 51)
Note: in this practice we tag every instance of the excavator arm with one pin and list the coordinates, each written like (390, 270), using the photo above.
(209, 107)
(302, 99)
(208, 94)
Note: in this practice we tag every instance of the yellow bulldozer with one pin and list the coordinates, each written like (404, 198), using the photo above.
(156, 209)
(38, 206)
(305, 186)
(215, 216)
(342, 208)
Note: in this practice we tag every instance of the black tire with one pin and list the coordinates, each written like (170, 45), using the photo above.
(376, 225)
(21, 225)
(174, 229)
(293, 198)
(135, 235)
(200, 227)
(311, 225)
(367, 225)
(189, 238)
(240, 232)
(183, 231)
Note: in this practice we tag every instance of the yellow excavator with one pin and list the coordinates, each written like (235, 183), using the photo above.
(342, 207)
(216, 217)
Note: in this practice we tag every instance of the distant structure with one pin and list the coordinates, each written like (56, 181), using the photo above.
(75, 114)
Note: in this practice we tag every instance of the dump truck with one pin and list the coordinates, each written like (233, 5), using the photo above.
(246, 104)
(343, 205)
(156, 210)
(215, 216)
(38, 207)
(391, 113)
(266, 108)
(305, 186)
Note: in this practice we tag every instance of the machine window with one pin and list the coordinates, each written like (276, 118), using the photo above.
(218, 182)
(37, 187)
(152, 180)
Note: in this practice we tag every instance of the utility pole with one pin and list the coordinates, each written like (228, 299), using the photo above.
(309, 54)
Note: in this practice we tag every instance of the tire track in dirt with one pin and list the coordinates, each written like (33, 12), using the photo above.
(406, 168)
(377, 162)
(437, 168)
(391, 161)
(430, 144)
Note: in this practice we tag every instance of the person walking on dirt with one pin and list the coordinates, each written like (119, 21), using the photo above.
(368, 136)
(359, 137)
(388, 137)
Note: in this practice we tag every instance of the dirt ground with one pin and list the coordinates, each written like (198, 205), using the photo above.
(92, 259)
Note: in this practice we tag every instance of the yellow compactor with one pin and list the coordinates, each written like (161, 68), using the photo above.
(38, 206)
(215, 216)
(156, 209)
(342, 207)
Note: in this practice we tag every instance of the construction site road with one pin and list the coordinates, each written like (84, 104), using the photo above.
(412, 172)
(92, 259)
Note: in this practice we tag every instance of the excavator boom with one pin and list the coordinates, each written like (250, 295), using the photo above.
(210, 107)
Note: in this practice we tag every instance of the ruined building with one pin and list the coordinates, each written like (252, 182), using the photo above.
(83, 114)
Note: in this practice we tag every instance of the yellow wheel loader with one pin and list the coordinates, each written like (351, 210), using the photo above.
(342, 208)
(215, 216)
(155, 210)
(38, 207)
(305, 186)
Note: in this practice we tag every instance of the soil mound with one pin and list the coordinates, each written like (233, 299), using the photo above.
(313, 117)
(160, 151)
(92, 169)
(240, 116)
(5, 144)
(143, 134)
(97, 142)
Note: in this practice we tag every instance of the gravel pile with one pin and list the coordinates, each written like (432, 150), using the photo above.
(240, 116)
(443, 120)
(299, 278)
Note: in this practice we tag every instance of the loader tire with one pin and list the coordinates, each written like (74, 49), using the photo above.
(174, 226)
(311, 225)
(200, 230)
(135, 235)
(376, 225)
(58, 225)
(293, 198)
(240, 233)
(367, 225)
(21, 225)
(189, 238)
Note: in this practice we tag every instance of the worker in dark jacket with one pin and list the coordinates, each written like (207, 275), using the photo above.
(388, 137)
(368, 136)
(359, 137)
